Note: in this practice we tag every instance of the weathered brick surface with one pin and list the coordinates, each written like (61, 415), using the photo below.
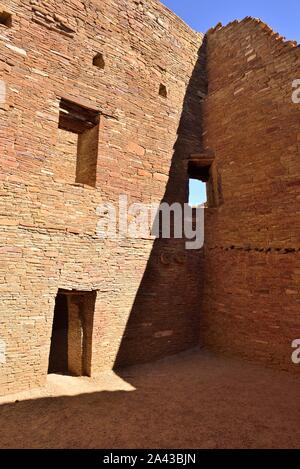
(251, 298)
(48, 223)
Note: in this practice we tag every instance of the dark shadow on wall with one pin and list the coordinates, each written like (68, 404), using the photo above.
(165, 315)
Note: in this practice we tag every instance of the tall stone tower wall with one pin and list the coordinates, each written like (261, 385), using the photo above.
(252, 243)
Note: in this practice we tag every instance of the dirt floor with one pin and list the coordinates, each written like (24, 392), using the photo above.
(193, 400)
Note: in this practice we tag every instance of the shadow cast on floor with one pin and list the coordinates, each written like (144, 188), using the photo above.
(193, 400)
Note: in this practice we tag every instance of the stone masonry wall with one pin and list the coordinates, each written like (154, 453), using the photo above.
(251, 296)
(145, 308)
(111, 57)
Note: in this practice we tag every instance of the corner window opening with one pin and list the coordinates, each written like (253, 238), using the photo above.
(79, 137)
(197, 193)
(199, 182)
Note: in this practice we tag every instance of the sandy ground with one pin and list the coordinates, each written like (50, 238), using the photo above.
(193, 400)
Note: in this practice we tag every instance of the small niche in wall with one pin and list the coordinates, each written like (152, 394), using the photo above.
(98, 61)
(5, 19)
(163, 91)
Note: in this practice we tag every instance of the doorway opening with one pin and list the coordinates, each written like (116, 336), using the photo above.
(58, 358)
(72, 331)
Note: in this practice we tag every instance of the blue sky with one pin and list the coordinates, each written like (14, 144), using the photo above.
(283, 17)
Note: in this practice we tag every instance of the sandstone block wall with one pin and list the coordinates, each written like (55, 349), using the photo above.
(251, 274)
(108, 58)
(122, 85)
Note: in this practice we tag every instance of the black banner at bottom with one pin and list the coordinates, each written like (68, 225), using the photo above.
(149, 458)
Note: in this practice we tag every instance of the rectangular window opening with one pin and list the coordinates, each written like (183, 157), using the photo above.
(197, 193)
(204, 184)
(78, 140)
